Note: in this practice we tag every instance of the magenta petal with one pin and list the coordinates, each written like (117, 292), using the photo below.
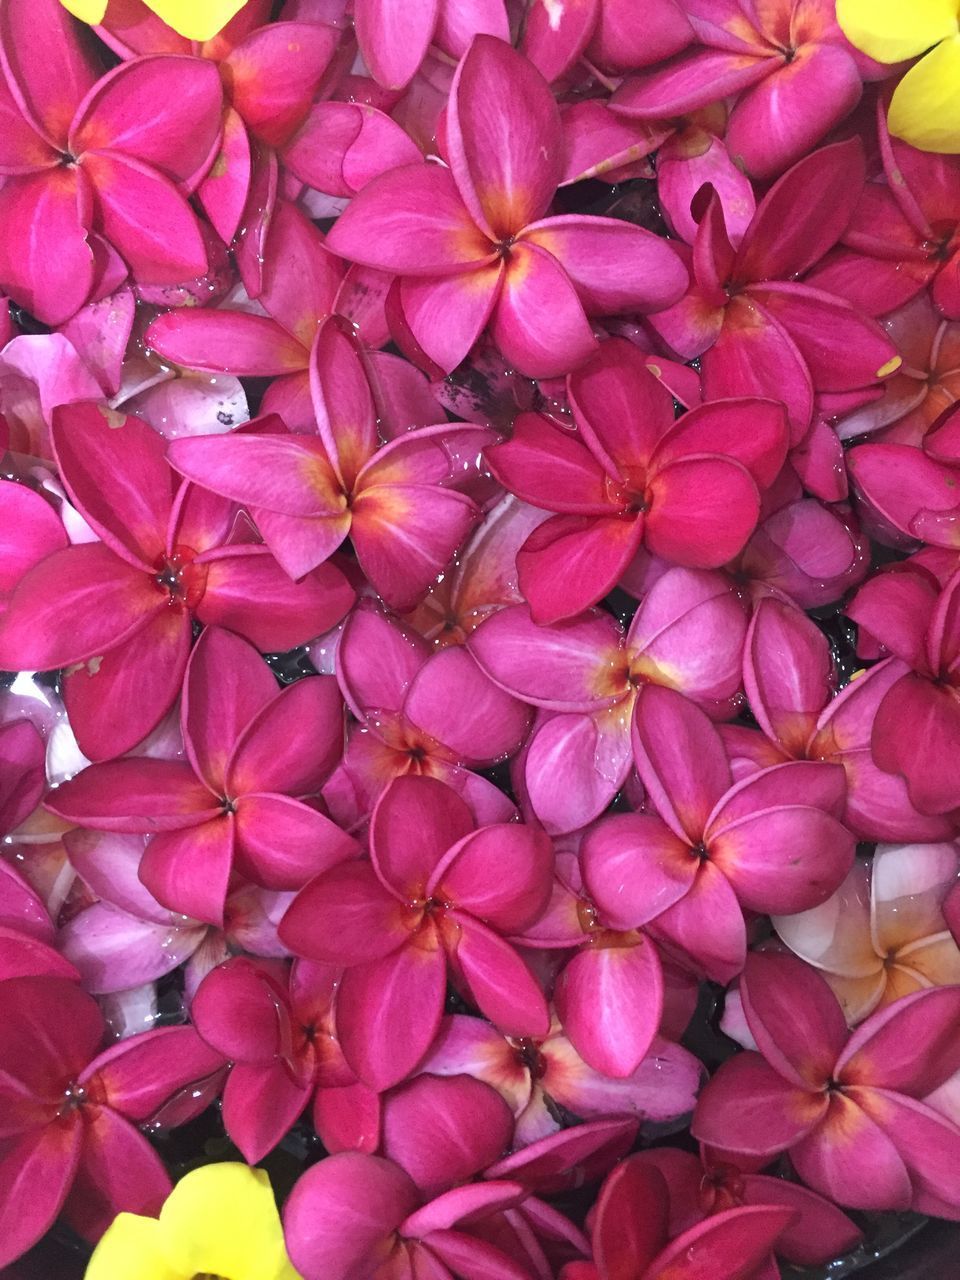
(747, 1107)
(414, 823)
(22, 774)
(342, 146)
(377, 661)
(282, 843)
(794, 1017)
(261, 1105)
(504, 137)
(223, 192)
(119, 1171)
(146, 219)
(734, 1238)
(570, 1158)
(394, 38)
(554, 43)
(226, 342)
(30, 531)
(135, 795)
(447, 314)
(189, 870)
(274, 75)
(536, 286)
(388, 1012)
(498, 981)
(456, 704)
(267, 757)
(501, 874)
(241, 1012)
(365, 921)
(909, 1046)
(52, 87)
(688, 82)
(614, 266)
(550, 468)
(573, 766)
(609, 1000)
(788, 673)
(928, 1143)
(444, 1131)
(568, 563)
(634, 868)
(342, 1213)
(707, 925)
(821, 1232)
(347, 1118)
(852, 1161)
(915, 734)
(703, 511)
(113, 950)
(38, 213)
(36, 1172)
(140, 1076)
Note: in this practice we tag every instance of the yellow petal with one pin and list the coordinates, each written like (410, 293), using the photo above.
(925, 110)
(196, 19)
(86, 10)
(223, 1220)
(131, 1247)
(892, 30)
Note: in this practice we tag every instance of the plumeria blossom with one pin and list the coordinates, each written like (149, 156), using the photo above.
(759, 331)
(471, 243)
(89, 171)
(438, 895)
(420, 713)
(70, 1138)
(687, 634)
(538, 1076)
(923, 109)
(883, 934)
(844, 1106)
(276, 1025)
(169, 553)
(789, 678)
(718, 846)
(904, 236)
(631, 1240)
(234, 804)
(795, 75)
(918, 722)
(221, 1217)
(688, 491)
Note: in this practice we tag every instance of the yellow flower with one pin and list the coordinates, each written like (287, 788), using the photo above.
(925, 110)
(218, 1221)
(193, 19)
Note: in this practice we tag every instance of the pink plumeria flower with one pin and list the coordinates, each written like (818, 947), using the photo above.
(97, 163)
(121, 610)
(794, 72)
(422, 713)
(438, 895)
(761, 333)
(844, 1106)
(472, 246)
(687, 634)
(255, 755)
(71, 1140)
(538, 1076)
(631, 1239)
(689, 491)
(883, 934)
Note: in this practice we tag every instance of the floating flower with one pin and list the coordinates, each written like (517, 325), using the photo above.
(218, 1220)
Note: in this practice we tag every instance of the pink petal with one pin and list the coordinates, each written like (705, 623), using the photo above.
(140, 1076)
(475, 1200)
(39, 212)
(458, 24)
(634, 868)
(488, 725)
(132, 517)
(394, 38)
(22, 775)
(388, 1012)
(574, 766)
(549, 467)
(626, 1241)
(282, 843)
(501, 873)
(794, 1018)
(788, 113)
(223, 192)
(691, 81)
(852, 1161)
(114, 951)
(703, 511)
(365, 921)
(669, 734)
(803, 214)
(227, 683)
(688, 161)
(415, 822)
(663, 1087)
(621, 408)
(570, 1158)
(36, 1173)
(707, 925)
(189, 870)
(344, 145)
(275, 73)
(569, 563)
(342, 1213)
(377, 661)
(268, 758)
(135, 795)
(609, 1000)
(821, 1232)
(928, 1143)
(722, 428)
(414, 200)
(536, 285)
(146, 219)
(496, 978)
(49, 88)
(114, 700)
(226, 341)
(443, 1132)
(241, 1012)
(614, 267)
(119, 1171)
(261, 1104)
(504, 138)
(788, 673)
(249, 593)
(915, 733)
(735, 1239)
(909, 1046)
(554, 43)
(30, 531)
(748, 1108)
(447, 314)
(347, 1118)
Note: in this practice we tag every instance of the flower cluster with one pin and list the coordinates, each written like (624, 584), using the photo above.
(480, 600)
